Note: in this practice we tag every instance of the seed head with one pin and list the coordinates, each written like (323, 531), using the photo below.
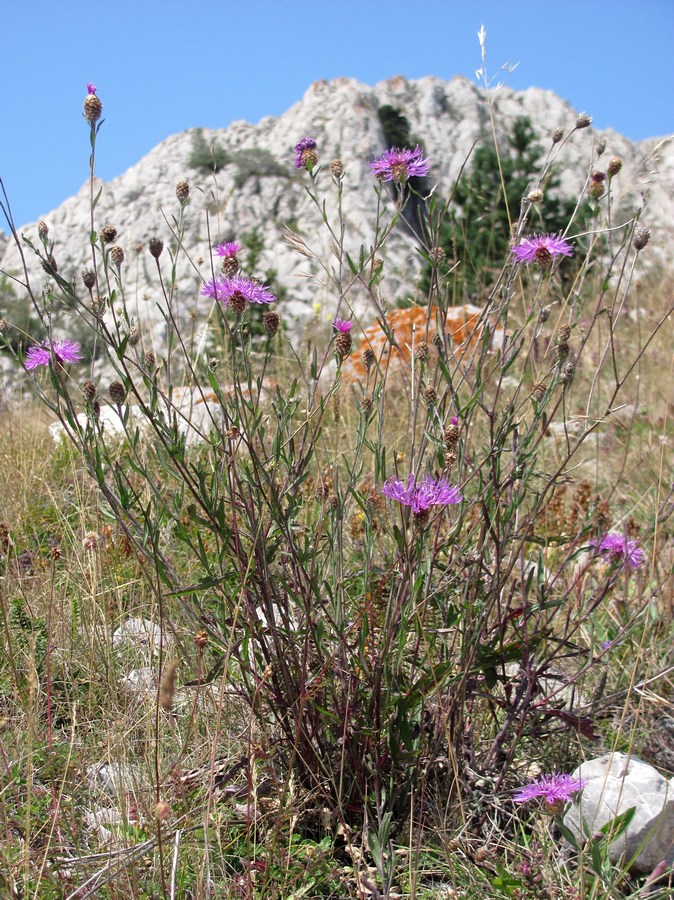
(270, 321)
(92, 105)
(538, 391)
(108, 233)
(149, 359)
(557, 135)
(117, 392)
(89, 278)
(117, 255)
(43, 230)
(365, 404)
(450, 459)
(601, 146)
(545, 313)
(4, 325)
(535, 196)
(201, 639)
(183, 191)
(155, 246)
(337, 169)
(438, 342)
(561, 351)
(162, 811)
(89, 391)
(641, 237)
(436, 255)
(134, 336)
(568, 370)
(90, 541)
(583, 120)
(167, 685)
(614, 166)
(564, 333)
(423, 352)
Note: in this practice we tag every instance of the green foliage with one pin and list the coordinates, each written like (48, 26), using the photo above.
(206, 157)
(250, 162)
(487, 202)
(395, 126)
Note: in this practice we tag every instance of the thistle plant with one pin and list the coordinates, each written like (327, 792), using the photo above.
(384, 610)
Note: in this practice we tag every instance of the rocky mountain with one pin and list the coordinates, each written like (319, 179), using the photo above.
(257, 190)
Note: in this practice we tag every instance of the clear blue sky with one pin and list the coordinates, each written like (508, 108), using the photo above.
(163, 67)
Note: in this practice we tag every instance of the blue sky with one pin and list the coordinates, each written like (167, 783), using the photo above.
(163, 67)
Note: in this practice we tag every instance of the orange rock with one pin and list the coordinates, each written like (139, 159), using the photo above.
(463, 329)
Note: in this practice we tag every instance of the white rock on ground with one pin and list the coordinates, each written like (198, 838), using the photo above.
(617, 782)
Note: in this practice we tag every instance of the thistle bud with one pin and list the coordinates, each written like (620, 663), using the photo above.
(583, 120)
(563, 334)
(89, 278)
(368, 358)
(134, 336)
(337, 169)
(237, 303)
(545, 313)
(430, 396)
(89, 391)
(182, 191)
(601, 146)
(92, 105)
(149, 359)
(641, 237)
(117, 255)
(614, 166)
(270, 321)
(436, 255)
(42, 231)
(561, 351)
(452, 432)
(438, 342)
(4, 325)
(117, 392)
(108, 233)
(557, 135)
(365, 404)
(155, 246)
(538, 391)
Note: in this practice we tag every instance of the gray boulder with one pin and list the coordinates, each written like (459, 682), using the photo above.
(616, 782)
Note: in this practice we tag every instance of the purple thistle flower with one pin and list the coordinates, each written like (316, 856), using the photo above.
(619, 549)
(399, 165)
(59, 351)
(541, 249)
(228, 249)
(556, 790)
(299, 148)
(342, 325)
(225, 289)
(420, 497)
(91, 88)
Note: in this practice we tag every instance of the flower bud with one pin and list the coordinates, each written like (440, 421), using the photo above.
(182, 191)
(270, 321)
(583, 120)
(614, 166)
(557, 135)
(337, 169)
(117, 392)
(155, 246)
(43, 230)
(117, 255)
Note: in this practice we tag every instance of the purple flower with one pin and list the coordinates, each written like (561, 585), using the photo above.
(556, 790)
(342, 325)
(617, 548)
(420, 497)
(399, 165)
(305, 144)
(541, 249)
(91, 88)
(239, 287)
(59, 351)
(228, 249)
